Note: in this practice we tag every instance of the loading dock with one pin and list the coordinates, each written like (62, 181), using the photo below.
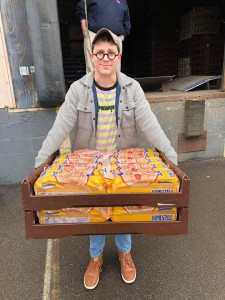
(160, 44)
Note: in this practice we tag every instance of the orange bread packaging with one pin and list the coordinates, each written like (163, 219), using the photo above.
(72, 215)
(87, 171)
(141, 171)
(143, 213)
(72, 173)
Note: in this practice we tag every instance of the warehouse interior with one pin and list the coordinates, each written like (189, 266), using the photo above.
(168, 38)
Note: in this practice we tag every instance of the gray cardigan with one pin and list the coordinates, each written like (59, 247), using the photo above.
(77, 116)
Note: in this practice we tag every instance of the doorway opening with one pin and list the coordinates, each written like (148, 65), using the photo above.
(167, 38)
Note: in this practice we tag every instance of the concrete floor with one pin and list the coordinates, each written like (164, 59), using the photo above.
(183, 267)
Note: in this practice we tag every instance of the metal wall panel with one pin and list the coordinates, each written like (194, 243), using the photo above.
(33, 43)
(6, 89)
(46, 44)
(14, 19)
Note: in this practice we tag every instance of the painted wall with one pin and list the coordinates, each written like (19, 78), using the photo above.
(22, 133)
(21, 137)
(171, 118)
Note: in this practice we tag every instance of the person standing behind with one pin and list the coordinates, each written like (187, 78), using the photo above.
(96, 14)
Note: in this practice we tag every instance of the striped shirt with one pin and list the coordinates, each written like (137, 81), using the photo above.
(106, 126)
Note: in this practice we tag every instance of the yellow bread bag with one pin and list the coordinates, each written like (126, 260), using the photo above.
(144, 179)
(71, 215)
(137, 152)
(105, 166)
(90, 171)
(73, 173)
(134, 155)
(140, 170)
(118, 171)
(132, 160)
(143, 213)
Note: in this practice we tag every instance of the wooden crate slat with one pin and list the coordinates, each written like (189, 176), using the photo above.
(55, 231)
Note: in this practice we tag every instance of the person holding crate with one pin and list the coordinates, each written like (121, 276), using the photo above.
(105, 108)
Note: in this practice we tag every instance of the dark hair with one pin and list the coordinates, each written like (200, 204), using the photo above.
(104, 37)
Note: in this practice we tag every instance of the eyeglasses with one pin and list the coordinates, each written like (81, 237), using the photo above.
(101, 55)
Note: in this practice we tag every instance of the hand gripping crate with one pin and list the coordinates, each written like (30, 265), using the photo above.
(33, 203)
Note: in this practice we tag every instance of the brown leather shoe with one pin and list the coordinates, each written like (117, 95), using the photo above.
(91, 276)
(128, 270)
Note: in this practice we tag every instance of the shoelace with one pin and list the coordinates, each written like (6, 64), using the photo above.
(125, 260)
(94, 265)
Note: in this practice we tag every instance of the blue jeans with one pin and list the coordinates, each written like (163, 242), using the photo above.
(97, 243)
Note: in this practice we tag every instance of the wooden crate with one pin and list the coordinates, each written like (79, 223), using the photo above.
(33, 203)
